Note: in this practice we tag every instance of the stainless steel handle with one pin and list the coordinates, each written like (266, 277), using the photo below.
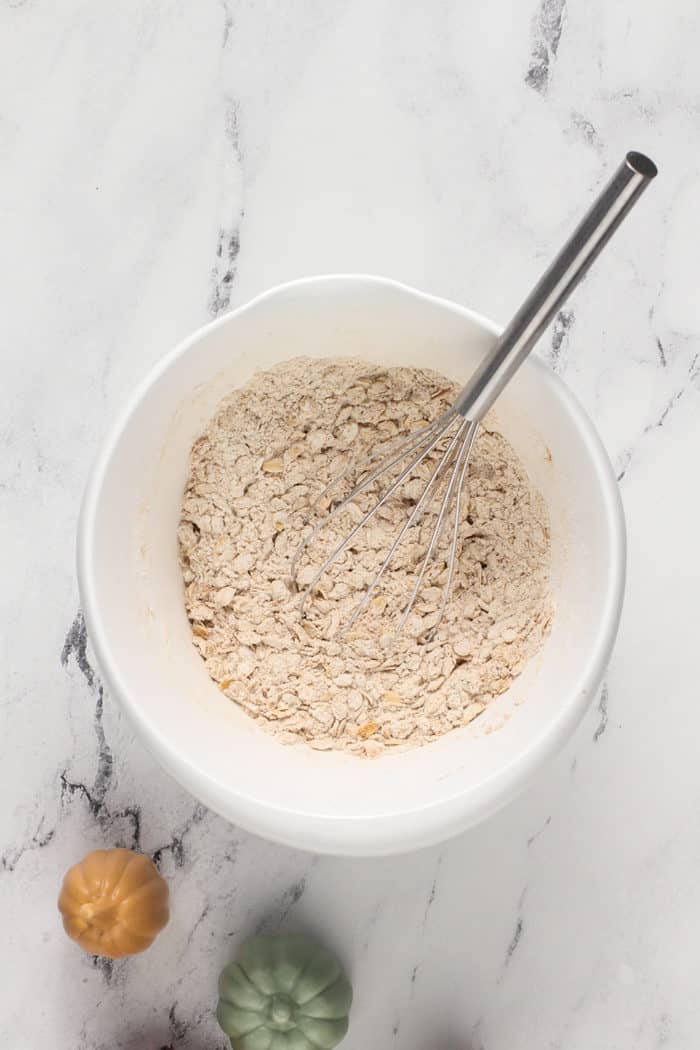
(555, 285)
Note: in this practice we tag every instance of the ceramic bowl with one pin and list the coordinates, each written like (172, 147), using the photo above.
(131, 585)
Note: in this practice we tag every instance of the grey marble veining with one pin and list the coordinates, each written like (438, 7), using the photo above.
(164, 161)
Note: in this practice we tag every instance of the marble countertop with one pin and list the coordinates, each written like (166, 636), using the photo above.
(165, 160)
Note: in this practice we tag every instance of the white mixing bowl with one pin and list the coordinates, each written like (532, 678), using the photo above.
(132, 591)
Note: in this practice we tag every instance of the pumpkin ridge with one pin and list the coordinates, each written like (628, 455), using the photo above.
(69, 898)
(301, 974)
(319, 951)
(145, 928)
(312, 1041)
(140, 932)
(144, 890)
(131, 859)
(340, 984)
(260, 940)
(234, 984)
(105, 860)
(341, 1023)
(263, 1023)
(250, 978)
(76, 872)
(122, 929)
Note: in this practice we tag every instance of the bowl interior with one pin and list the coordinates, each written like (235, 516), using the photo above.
(132, 587)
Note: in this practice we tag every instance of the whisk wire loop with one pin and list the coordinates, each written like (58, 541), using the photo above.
(467, 433)
(417, 509)
(435, 437)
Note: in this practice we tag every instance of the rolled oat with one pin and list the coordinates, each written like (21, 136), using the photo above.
(267, 453)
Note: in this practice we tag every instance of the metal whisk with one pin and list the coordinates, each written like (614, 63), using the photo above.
(454, 432)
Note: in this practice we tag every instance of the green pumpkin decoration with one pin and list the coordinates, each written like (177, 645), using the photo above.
(284, 992)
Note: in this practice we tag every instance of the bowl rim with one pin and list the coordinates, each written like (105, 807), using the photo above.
(437, 819)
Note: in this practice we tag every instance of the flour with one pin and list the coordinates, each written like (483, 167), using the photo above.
(266, 455)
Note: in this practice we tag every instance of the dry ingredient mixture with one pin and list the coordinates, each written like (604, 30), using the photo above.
(266, 455)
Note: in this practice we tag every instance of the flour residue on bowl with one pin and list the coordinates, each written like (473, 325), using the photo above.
(268, 451)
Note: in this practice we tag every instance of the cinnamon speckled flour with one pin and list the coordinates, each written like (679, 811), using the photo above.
(267, 453)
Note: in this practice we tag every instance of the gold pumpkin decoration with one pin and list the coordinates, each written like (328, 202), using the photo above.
(114, 902)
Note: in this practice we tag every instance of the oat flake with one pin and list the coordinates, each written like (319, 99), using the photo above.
(267, 453)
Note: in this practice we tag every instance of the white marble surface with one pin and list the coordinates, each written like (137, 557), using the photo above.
(164, 158)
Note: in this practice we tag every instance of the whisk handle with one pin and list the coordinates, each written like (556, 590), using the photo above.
(556, 284)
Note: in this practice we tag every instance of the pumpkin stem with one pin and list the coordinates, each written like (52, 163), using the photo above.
(100, 913)
(280, 1010)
